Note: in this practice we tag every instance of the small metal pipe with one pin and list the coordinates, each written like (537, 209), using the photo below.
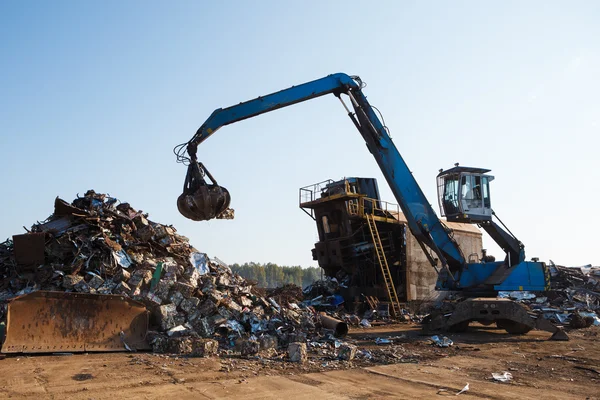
(358, 107)
(345, 106)
(353, 100)
(339, 327)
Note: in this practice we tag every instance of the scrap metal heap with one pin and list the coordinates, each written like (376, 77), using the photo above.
(98, 245)
(573, 299)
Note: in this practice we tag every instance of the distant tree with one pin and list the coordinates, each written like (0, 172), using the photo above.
(310, 275)
(271, 275)
(259, 274)
(274, 275)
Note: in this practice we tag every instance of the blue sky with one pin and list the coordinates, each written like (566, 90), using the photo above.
(96, 95)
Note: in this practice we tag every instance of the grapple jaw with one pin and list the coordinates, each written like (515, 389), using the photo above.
(201, 201)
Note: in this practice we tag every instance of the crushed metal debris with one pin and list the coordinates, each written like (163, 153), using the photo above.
(98, 245)
(573, 299)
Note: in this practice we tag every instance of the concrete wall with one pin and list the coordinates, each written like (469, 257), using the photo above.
(421, 276)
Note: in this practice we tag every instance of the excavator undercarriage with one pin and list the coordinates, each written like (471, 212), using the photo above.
(505, 313)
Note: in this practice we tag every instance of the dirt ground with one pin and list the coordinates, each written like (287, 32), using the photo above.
(411, 367)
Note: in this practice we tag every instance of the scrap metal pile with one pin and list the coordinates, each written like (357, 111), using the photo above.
(98, 245)
(574, 298)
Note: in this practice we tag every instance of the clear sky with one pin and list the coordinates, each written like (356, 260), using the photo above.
(96, 95)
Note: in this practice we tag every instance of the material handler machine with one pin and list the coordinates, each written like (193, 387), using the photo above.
(463, 194)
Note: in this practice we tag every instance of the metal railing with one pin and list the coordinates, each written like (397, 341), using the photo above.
(359, 206)
(309, 193)
(363, 206)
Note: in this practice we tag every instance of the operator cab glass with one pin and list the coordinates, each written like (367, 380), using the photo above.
(464, 194)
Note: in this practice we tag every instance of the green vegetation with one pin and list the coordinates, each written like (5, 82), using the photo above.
(272, 275)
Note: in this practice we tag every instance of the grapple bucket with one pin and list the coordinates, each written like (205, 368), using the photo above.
(51, 322)
(201, 201)
(207, 202)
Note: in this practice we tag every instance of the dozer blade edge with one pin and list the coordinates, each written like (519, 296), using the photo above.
(52, 322)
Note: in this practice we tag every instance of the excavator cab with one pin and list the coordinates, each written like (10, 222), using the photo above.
(464, 194)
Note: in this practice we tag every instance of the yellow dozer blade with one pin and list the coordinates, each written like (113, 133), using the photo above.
(54, 322)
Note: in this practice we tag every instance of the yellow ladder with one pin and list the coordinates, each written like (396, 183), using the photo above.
(385, 270)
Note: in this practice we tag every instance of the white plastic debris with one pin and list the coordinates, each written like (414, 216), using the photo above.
(366, 354)
(122, 336)
(502, 377)
(517, 295)
(179, 328)
(365, 322)
(466, 388)
(199, 261)
(122, 258)
(383, 341)
(442, 342)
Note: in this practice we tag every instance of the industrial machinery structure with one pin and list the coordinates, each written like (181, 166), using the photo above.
(361, 240)
(464, 196)
(346, 213)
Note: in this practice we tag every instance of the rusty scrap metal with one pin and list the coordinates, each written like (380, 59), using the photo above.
(29, 249)
(340, 328)
(49, 322)
(98, 246)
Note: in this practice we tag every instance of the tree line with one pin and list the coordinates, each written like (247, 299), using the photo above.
(271, 275)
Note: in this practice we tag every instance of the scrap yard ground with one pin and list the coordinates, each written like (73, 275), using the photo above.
(409, 368)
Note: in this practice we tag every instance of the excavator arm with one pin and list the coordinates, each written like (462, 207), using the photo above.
(336, 84)
(202, 201)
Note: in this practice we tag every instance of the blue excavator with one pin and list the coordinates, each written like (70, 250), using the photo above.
(463, 194)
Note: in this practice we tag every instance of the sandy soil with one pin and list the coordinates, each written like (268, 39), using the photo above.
(410, 368)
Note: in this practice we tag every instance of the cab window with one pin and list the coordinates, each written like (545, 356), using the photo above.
(486, 192)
